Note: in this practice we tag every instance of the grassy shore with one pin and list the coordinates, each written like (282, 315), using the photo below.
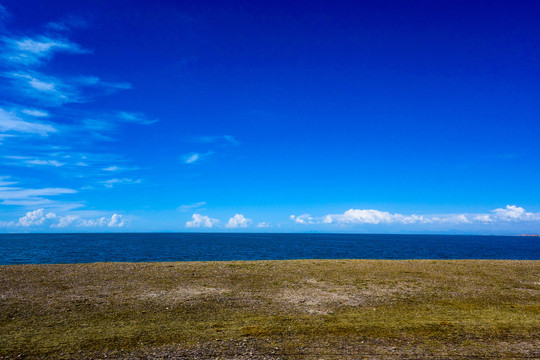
(313, 309)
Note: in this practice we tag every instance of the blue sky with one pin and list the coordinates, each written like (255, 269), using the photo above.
(242, 116)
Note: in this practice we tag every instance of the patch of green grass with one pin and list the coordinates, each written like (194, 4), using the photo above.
(347, 307)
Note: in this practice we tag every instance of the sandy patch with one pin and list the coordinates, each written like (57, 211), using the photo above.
(184, 293)
(319, 297)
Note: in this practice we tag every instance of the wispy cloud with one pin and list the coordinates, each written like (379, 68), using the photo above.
(35, 113)
(10, 122)
(116, 168)
(30, 197)
(137, 118)
(196, 157)
(34, 51)
(27, 161)
(104, 126)
(54, 163)
(211, 139)
(112, 168)
(112, 182)
(67, 23)
(188, 207)
(201, 221)
(48, 90)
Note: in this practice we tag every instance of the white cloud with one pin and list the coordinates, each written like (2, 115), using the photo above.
(263, 225)
(115, 220)
(188, 207)
(302, 219)
(357, 216)
(514, 213)
(35, 218)
(482, 218)
(201, 221)
(238, 221)
(9, 122)
(65, 221)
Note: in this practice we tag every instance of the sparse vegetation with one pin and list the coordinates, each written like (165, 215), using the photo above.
(272, 309)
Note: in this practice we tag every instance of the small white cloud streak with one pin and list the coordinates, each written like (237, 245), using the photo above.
(18, 196)
(201, 221)
(188, 207)
(9, 193)
(36, 113)
(196, 157)
(110, 183)
(210, 139)
(190, 159)
(112, 168)
(45, 162)
(238, 221)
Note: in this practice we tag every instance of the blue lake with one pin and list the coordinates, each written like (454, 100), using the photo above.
(83, 248)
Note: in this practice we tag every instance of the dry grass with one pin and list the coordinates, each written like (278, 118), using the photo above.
(324, 309)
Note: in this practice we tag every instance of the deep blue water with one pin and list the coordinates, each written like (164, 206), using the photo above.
(83, 248)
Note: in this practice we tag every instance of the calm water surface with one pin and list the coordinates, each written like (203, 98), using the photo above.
(83, 248)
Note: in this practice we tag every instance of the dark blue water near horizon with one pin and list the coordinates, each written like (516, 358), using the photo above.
(141, 247)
